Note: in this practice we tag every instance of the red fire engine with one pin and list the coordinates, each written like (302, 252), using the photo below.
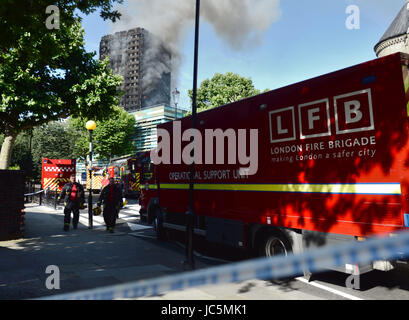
(332, 165)
(56, 173)
(128, 169)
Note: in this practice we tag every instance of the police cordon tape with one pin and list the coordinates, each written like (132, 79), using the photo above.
(320, 259)
(33, 194)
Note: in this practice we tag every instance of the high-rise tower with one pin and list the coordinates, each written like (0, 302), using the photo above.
(145, 65)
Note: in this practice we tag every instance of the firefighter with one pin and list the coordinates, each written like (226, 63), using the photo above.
(111, 198)
(74, 199)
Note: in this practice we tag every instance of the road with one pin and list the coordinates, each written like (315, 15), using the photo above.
(375, 285)
(95, 258)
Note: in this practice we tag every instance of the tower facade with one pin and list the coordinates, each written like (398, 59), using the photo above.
(136, 55)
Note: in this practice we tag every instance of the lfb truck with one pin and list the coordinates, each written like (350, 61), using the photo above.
(317, 162)
(56, 172)
(128, 169)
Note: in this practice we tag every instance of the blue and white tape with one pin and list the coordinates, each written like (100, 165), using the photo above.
(34, 193)
(389, 248)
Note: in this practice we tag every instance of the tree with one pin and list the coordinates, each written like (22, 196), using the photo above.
(21, 154)
(52, 140)
(29, 16)
(112, 136)
(21, 157)
(70, 140)
(49, 80)
(223, 89)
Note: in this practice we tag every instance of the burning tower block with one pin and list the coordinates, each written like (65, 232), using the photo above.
(145, 65)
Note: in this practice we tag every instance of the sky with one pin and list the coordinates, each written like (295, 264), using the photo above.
(300, 40)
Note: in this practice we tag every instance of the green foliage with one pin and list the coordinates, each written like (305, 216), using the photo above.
(223, 89)
(76, 127)
(46, 75)
(29, 16)
(52, 140)
(35, 91)
(112, 136)
(21, 154)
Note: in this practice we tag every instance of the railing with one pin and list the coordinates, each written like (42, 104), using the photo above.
(41, 196)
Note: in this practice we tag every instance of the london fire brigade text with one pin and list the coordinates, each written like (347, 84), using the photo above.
(317, 146)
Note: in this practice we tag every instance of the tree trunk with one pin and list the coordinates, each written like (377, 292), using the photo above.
(6, 150)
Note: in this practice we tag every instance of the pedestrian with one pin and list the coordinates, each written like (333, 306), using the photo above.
(111, 198)
(74, 199)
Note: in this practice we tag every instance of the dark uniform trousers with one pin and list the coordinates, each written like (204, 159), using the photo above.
(110, 214)
(74, 207)
(111, 197)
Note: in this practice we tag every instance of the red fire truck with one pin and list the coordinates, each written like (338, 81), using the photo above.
(128, 169)
(56, 173)
(332, 164)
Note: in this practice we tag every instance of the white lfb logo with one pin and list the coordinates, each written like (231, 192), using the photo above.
(352, 112)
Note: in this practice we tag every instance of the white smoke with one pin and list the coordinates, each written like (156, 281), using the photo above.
(239, 23)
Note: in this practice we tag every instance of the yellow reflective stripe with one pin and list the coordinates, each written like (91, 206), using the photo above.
(47, 181)
(135, 186)
(360, 188)
(53, 185)
(174, 186)
(50, 183)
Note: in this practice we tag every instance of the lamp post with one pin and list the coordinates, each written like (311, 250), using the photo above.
(176, 95)
(90, 125)
(30, 169)
(189, 264)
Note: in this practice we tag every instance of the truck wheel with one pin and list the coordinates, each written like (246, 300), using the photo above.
(151, 213)
(143, 218)
(273, 244)
(160, 231)
(158, 226)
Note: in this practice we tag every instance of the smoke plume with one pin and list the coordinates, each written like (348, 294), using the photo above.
(239, 23)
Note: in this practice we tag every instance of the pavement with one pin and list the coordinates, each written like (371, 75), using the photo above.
(92, 258)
